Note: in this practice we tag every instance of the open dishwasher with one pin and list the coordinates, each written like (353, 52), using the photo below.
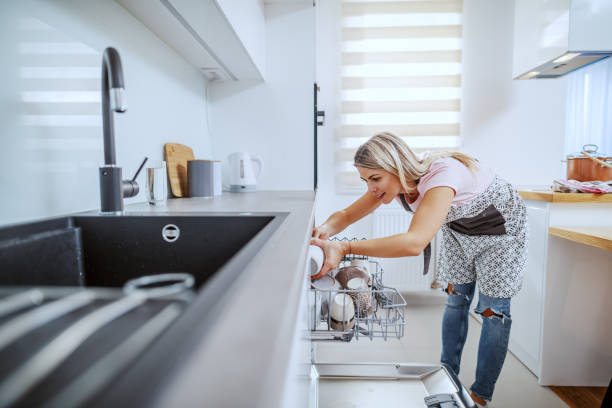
(378, 311)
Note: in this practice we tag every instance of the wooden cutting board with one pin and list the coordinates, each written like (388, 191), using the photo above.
(177, 156)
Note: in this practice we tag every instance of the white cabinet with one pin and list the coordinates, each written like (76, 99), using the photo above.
(576, 347)
(247, 17)
(527, 305)
(554, 37)
(557, 329)
(589, 25)
(540, 32)
(273, 119)
(229, 47)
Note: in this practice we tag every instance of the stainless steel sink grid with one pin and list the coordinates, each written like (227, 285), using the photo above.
(386, 320)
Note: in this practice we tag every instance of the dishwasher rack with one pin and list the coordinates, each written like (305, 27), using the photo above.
(385, 312)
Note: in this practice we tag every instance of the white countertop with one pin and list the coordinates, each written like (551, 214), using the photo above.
(243, 360)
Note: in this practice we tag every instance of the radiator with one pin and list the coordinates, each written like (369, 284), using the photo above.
(405, 274)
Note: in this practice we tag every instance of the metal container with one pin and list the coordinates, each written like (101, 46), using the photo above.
(589, 165)
(203, 177)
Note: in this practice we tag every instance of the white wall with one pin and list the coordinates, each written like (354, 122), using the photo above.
(53, 169)
(273, 119)
(328, 72)
(516, 127)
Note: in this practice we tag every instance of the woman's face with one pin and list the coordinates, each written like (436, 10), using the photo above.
(384, 185)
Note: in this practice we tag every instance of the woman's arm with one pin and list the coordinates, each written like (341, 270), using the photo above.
(426, 222)
(339, 220)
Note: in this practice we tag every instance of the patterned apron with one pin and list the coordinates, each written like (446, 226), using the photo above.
(484, 240)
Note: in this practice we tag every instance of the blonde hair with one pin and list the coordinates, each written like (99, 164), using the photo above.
(389, 152)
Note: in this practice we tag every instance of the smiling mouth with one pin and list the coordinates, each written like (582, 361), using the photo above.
(380, 196)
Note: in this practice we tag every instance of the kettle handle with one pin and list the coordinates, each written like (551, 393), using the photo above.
(257, 159)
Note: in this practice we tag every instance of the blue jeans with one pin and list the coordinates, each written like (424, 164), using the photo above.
(494, 336)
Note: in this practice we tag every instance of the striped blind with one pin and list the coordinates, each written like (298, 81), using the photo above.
(400, 73)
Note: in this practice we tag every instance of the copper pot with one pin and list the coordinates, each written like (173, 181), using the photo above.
(589, 165)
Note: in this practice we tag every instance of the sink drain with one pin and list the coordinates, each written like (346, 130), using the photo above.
(170, 233)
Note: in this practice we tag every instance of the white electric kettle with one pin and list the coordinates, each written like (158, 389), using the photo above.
(243, 178)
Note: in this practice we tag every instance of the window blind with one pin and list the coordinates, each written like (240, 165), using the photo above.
(400, 73)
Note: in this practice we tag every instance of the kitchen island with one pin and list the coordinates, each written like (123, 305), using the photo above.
(255, 352)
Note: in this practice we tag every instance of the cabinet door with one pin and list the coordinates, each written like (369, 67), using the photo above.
(527, 305)
(541, 33)
(201, 32)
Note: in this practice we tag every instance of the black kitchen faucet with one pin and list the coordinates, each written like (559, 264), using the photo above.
(112, 188)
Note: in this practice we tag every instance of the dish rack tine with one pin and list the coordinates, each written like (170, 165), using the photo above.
(100, 373)
(61, 347)
(20, 301)
(30, 320)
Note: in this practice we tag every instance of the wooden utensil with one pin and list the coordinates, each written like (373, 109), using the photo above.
(596, 160)
(177, 156)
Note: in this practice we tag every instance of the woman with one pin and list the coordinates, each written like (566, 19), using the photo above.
(483, 240)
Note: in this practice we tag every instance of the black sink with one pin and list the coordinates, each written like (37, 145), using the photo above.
(106, 251)
(109, 250)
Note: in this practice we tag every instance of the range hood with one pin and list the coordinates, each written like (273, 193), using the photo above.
(555, 37)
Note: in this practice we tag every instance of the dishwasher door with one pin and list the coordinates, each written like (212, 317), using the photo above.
(366, 385)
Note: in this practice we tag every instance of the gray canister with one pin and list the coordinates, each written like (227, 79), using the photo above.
(201, 175)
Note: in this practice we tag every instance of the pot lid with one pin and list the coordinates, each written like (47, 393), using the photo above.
(590, 149)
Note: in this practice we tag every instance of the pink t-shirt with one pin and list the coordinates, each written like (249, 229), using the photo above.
(452, 173)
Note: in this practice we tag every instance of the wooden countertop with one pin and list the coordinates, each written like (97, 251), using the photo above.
(554, 197)
(600, 237)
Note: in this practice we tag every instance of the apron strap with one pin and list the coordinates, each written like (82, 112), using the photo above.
(427, 250)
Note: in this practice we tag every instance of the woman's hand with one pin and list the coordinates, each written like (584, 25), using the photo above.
(333, 250)
(323, 231)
